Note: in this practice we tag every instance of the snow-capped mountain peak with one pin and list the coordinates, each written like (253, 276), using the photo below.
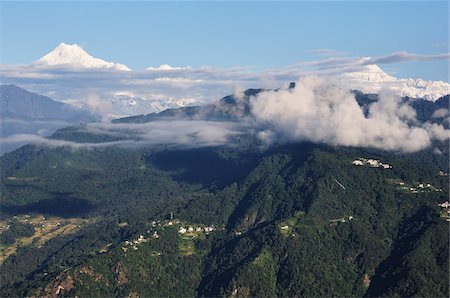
(372, 79)
(371, 73)
(125, 104)
(74, 56)
(167, 67)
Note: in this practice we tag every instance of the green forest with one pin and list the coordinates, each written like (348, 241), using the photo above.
(236, 220)
(292, 220)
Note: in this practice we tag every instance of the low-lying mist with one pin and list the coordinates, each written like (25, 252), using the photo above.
(316, 110)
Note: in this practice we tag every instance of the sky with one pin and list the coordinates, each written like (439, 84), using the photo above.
(327, 48)
(259, 35)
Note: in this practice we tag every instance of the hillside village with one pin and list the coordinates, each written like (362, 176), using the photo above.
(187, 231)
(416, 188)
(373, 163)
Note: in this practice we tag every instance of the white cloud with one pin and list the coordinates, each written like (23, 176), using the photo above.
(322, 111)
(318, 109)
(172, 133)
(441, 113)
(403, 56)
(97, 87)
(97, 105)
(76, 87)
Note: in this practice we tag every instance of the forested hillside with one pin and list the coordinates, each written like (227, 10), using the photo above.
(291, 220)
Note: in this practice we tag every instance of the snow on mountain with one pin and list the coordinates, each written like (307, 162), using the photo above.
(167, 67)
(430, 90)
(372, 79)
(123, 105)
(370, 73)
(75, 56)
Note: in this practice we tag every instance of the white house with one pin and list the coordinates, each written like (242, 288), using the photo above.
(182, 230)
(358, 162)
(446, 204)
(373, 163)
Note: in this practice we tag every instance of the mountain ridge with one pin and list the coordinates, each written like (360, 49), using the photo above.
(27, 113)
(372, 79)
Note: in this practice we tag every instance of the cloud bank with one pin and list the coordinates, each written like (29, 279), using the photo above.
(170, 133)
(318, 110)
(96, 88)
(405, 56)
(321, 111)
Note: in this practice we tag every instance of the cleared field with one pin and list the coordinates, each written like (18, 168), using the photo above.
(45, 229)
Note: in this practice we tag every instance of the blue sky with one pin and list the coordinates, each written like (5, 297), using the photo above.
(229, 34)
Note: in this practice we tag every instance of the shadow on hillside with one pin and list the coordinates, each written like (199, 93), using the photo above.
(204, 166)
(62, 205)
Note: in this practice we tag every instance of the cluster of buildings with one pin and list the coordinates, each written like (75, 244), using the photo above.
(133, 244)
(157, 225)
(190, 229)
(421, 187)
(182, 229)
(373, 163)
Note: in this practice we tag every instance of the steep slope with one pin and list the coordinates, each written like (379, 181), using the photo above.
(420, 253)
(23, 112)
(229, 108)
(298, 220)
(16, 102)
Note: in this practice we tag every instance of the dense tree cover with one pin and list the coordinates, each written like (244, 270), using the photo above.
(285, 214)
(420, 254)
(16, 230)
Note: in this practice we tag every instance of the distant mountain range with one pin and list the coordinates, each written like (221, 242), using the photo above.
(123, 105)
(24, 112)
(373, 80)
(369, 78)
(72, 55)
(229, 108)
(232, 108)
